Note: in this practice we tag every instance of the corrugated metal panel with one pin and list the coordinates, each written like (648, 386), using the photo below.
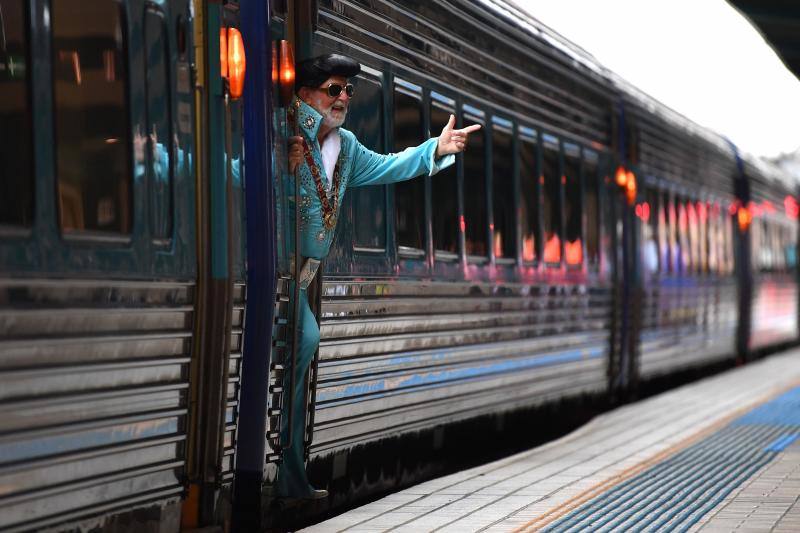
(687, 322)
(401, 356)
(93, 397)
(234, 377)
(523, 74)
(775, 308)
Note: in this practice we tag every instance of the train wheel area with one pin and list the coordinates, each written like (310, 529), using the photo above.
(719, 454)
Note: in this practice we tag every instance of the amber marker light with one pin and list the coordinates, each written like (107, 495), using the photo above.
(630, 187)
(621, 177)
(744, 217)
(236, 63)
(223, 52)
(274, 64)
(286, 71)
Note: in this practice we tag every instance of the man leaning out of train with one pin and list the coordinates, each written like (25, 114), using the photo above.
(328, 159)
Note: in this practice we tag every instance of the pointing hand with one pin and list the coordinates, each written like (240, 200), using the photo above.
(454, 141)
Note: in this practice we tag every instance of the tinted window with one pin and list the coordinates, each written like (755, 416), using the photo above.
(647, 212)
(159, 117)
(409, 195)
(444, 188)
(93, 161)
(552, 207)
(573, 213)
(503, 196)
(16, 163)
(591, 199)
(674, 242)
(683, 237)
(694, 236)
(663, 231)
(475, 193)
(529, 182)
(369, 202)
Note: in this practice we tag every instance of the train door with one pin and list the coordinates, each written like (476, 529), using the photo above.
(623, 233)
(98, 265)
(269, 34)
(219, 325)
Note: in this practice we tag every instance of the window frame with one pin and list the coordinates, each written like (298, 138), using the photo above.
(508, 127)
(553, 143)
(448, 105)
(526, 134)
(99, 237)
(412, 90)
(25, 231)
(474, 115)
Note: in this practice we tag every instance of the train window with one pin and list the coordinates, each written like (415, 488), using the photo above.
(529, 182)
(790, 246)
(16, 153)
(369, 203)
(647, 213)
(159, 119)
(552, 205)
(93, 148)
(712, 212)
(729, 250)
(685, 248)
(475, 187)
(409, 195)
(573, 212)
(504, 197)
(444, 188)
(592, 208)
(674, 242)
(659, 212)
(694, 235)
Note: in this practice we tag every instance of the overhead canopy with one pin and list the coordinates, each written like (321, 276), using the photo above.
(779, 23)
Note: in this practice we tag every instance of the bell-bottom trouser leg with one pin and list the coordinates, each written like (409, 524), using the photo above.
(292, 479)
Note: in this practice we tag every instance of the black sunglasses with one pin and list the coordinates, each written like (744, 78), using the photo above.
(335, 89)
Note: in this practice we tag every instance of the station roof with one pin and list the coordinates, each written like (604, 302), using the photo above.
(779, 23)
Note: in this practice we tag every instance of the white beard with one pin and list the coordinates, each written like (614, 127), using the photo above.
(327, 119)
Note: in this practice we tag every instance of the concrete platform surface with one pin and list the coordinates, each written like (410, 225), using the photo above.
(721, 454)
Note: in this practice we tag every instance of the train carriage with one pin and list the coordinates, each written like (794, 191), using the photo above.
(589, 240)
(115, 265)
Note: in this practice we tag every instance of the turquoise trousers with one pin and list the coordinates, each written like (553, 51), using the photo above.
(292, 480)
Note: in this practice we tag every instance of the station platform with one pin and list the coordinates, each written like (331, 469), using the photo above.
(721, 454)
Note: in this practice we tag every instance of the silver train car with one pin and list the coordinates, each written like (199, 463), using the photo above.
(589, 242)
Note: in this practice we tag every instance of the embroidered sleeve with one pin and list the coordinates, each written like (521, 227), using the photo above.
(370, 168)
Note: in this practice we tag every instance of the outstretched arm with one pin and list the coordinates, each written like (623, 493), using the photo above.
(454, 141)
(429, 157)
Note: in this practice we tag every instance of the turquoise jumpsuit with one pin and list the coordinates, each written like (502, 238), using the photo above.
(357, 166)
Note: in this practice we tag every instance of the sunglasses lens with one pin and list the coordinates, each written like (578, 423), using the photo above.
(349, 89)
(334, 90)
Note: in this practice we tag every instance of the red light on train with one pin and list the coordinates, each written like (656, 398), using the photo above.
(744, 218)
(621, 177)
(643, 211)
(286, 71)
(274, 64)
(223, 52)
(236, 63)
(791, 206)
(232, 60)
(630, 187)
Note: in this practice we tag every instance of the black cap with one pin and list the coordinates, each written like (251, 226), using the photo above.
(313, 72)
